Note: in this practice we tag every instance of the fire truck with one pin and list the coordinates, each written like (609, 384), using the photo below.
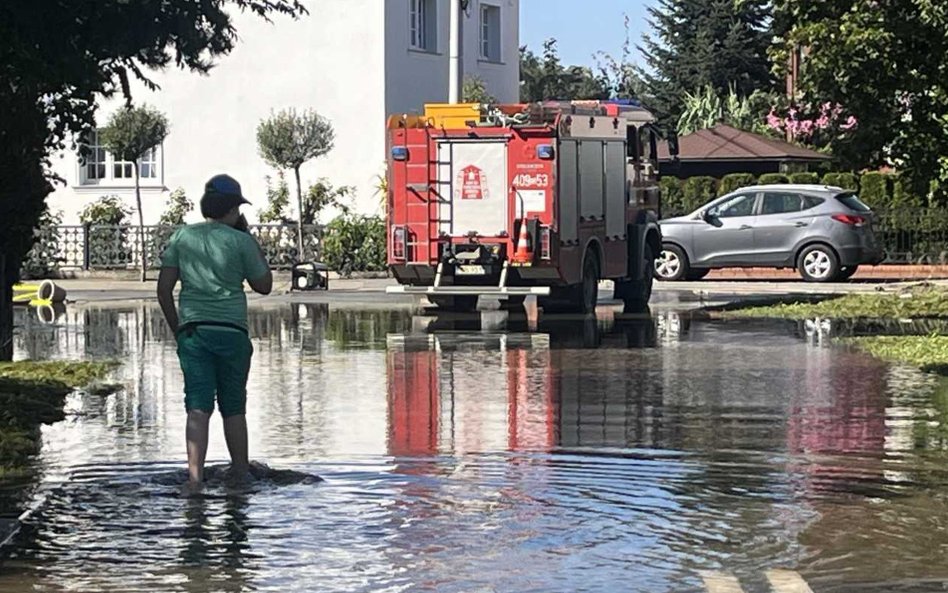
(508, 201)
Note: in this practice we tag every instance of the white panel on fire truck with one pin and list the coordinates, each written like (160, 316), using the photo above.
(590, 179)
(616, 199)
(530, 200)
(568, 192)
(477, 174)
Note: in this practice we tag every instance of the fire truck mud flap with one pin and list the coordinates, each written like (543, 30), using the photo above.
(471, 290)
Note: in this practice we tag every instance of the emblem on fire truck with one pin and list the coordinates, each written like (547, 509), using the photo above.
(472, 183)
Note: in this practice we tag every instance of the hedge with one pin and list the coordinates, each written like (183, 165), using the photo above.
(698, 191)
(903, 195)
(805, 178)
(874, 189)
(735, 181)
(845, 180)
(773, 179)
(672, 196)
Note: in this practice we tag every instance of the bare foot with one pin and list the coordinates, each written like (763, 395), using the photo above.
(191, 489)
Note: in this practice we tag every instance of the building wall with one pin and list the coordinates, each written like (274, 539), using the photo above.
(348, 59)
(308, 63)
(415, 77)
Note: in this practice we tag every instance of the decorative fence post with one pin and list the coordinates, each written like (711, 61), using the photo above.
(86, 250)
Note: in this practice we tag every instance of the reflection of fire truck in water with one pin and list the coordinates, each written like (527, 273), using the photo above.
(513, 200)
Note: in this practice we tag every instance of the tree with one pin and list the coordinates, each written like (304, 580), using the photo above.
(474, 90)
(620, 74)
(887, 64)
(56, 59)
(130, 134)
(287, 140)
(545, 78)
(179, 206)
(705, 108)
(695, 43)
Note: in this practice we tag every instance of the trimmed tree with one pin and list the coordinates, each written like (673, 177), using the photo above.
(59, 59)
(287, 140)
(130, 134)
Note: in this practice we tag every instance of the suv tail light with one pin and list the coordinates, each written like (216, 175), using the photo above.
(399, 234)
(850, 219)
(546, 247)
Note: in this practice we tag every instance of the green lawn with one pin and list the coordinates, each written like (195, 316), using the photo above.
(930, 353)
(33, 394)
(920, 303)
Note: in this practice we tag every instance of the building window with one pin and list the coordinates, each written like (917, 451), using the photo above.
(490, 33)
(422, 25)
(99, 167)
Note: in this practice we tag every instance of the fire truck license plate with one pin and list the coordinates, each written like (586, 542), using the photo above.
(470, 270)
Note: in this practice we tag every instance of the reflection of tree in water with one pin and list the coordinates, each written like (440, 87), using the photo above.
(357, 329)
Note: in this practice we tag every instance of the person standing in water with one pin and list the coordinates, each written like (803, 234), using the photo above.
(212, 259)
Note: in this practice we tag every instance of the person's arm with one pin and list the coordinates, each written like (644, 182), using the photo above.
(167, 278)
(258, 272)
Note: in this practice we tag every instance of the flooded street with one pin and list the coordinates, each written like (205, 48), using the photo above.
(491, 453)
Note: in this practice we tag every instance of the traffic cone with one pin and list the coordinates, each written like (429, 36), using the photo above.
(524, 251)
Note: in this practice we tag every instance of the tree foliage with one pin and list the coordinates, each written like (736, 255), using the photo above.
(887, 63)
(56, 59)
(707, 108)
(179, 206)
(133, 131)
(318, 197)
(288, 139)
(695, 43)
(474, 90)
(544, 77)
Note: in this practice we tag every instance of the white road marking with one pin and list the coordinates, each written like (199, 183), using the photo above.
(719, 582)
(787, 581)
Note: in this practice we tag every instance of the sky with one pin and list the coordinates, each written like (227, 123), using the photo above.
(582, 28)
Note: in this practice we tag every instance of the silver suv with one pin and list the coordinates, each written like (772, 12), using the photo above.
(824, 232)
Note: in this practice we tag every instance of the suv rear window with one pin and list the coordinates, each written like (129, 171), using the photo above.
(853, 203)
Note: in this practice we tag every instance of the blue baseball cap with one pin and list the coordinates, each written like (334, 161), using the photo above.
(222, 187)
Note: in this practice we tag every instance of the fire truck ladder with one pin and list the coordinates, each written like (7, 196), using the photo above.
(432, 198)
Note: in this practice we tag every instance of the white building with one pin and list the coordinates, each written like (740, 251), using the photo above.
(353, 61)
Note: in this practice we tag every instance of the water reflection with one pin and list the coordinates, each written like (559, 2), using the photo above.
(497, 452)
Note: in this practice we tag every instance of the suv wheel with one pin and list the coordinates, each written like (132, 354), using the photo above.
(818, 263)
(671, 263)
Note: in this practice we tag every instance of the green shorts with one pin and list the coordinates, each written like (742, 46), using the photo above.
(215, 361)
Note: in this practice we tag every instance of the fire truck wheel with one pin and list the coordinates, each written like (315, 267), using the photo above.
(635, 294)
(587, 293)
(455, 304)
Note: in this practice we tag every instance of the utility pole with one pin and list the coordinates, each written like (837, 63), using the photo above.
(454, 53)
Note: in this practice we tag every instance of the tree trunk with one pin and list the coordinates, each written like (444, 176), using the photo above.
(141, 222)
(7, 278)
(300, 255)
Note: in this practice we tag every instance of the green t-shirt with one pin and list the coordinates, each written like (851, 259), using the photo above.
(213, 260)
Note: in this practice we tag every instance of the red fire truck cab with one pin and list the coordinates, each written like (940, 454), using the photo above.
(515, 200)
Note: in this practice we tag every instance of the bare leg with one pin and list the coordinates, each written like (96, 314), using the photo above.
(235, 433)
(196, 436)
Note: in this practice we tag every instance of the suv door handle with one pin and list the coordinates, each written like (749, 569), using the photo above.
(800, 225)
(745, 227)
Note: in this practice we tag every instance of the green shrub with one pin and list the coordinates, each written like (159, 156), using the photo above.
(698, 191)
(45, 255)
(773, 179)
(735, 181)
(672, 196)
(353, 243)
(805, 178)
(875, 190)
(843, 179)
(904, 195)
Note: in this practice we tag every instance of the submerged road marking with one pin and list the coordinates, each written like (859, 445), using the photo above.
(787, 581)
(719, 582)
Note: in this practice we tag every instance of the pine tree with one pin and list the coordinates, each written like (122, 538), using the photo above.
(721, 43)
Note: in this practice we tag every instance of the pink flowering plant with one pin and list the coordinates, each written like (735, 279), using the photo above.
(817, 128)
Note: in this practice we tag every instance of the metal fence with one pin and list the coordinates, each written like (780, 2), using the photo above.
(108, 247)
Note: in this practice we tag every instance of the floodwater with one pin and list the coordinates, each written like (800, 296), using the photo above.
(495, 453)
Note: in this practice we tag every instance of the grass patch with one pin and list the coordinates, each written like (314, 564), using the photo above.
(930, 353)
(917, 303)
(32, 394)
